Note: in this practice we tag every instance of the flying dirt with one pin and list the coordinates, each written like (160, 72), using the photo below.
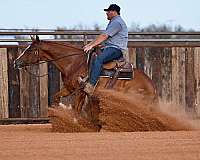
(118, 113)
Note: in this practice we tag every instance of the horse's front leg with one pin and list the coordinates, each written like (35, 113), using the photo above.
(62, 93)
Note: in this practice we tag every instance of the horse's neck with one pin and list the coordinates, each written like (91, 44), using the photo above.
(68, 66)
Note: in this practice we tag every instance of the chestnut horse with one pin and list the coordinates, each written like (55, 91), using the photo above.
(72, 63)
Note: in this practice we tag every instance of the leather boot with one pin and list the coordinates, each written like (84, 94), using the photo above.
(89, 89)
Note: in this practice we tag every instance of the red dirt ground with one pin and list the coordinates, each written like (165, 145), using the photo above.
(22, 142)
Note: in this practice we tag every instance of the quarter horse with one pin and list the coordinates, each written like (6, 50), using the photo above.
(72, 63)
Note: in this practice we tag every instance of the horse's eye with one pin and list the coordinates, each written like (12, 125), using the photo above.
(36, 52)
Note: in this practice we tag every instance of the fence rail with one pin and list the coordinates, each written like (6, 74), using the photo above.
(130, 40)
(86, 32)
(183, 39)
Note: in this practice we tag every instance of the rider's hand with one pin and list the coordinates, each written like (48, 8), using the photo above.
(87, 48)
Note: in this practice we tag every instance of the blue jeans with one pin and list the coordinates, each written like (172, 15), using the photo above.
(108, 54)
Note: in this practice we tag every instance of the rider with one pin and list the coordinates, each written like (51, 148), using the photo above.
(114, 41)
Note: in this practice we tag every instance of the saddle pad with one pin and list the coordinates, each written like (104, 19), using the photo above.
(109, 73)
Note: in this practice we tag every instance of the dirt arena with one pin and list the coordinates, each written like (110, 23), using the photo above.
(131, 130)
(22, 142)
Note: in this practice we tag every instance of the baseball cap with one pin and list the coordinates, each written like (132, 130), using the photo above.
(113, 7)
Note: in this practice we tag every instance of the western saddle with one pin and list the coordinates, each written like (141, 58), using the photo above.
(117, 69)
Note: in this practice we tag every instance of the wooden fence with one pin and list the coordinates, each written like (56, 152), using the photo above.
(175, 72)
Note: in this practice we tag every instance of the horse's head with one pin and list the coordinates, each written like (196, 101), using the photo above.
(30, 55)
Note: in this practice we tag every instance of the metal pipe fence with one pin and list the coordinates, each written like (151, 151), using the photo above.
(140, 39)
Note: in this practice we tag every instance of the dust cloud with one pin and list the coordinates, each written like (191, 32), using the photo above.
(178, 112)
(122, 113)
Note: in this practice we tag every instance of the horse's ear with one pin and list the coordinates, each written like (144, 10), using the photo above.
(32, 38)
(37, 38)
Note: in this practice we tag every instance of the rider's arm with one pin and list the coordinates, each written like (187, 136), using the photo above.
(99, 39)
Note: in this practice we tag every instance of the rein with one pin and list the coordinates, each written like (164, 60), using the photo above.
(38, 76)
(52, 60)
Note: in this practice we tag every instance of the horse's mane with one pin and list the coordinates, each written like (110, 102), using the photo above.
(64, 44)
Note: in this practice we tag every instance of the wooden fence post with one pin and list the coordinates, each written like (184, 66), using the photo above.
(24, 93)
(34, 92)
(178, 76)
(53, 81)
(3, 84)
(43, 90)
(181, 76)
(132, 56)
(166, 74)
(197, 79)
(13, 85)
(140, 58)
(175, 79)
(30, 92)
(155, 57)
(190, 81)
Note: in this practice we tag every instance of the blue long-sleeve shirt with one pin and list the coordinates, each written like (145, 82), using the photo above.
(117, 32)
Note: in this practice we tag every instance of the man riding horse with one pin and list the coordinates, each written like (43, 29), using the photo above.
(114, 41)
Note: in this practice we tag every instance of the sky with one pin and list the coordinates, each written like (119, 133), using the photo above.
(50, 14)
